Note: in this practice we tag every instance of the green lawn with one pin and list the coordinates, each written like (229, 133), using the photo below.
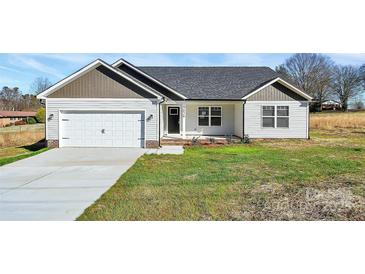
(318, 179)
(12, 154)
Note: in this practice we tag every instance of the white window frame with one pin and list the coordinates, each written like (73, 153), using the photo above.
(210, 116)
(275, 116)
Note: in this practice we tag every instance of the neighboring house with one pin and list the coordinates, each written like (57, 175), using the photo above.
(331, 105)
(122, 105)
(10, 117)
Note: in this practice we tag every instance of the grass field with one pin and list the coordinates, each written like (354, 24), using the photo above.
(19, 142)
(318, 179)
(333, 120)
(21, 135)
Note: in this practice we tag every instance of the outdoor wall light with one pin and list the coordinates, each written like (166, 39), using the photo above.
(149, 117)
(50, 117)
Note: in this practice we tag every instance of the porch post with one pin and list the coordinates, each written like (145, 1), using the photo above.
(183, 112)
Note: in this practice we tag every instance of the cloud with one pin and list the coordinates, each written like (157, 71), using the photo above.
(79, 58)
(151, 59)
(355, 59)
(244, 59)
(32, 63)
(9, 69)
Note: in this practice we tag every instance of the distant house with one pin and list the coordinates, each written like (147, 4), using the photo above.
(10, 117)
(331, 105)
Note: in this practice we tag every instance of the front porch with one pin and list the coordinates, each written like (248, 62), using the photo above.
(205, 122)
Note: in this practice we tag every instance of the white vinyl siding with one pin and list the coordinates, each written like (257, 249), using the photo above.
(149, 106)
(238, 119)
(298, 120)
(227, 121)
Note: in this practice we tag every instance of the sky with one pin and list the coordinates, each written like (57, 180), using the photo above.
(20, 70)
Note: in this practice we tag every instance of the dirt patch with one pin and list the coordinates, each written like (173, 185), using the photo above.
(280, 202)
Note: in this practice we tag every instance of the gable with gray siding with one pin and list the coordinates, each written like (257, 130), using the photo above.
(96, 84)
(276, 92)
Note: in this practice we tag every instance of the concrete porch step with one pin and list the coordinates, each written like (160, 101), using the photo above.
(205, 141)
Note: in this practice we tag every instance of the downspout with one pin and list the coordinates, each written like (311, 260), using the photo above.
(159, 121)
(243, 118)
(309, 119)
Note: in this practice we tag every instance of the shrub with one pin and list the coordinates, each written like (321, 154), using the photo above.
(31, 121)
(41, 115)
(246, 139)
(20, 123)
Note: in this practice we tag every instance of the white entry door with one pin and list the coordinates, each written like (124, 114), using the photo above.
(101, 129)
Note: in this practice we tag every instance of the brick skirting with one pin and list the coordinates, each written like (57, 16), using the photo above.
(52, 143)
(149, 143)
(152, 144)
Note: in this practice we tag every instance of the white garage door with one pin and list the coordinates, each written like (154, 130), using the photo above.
(101, 129)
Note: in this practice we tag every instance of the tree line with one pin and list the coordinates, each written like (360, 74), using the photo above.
(318, 76)
(14, 99)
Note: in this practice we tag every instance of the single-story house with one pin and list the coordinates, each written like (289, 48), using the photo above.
(10, 117)
(122, 105)
(331, 105)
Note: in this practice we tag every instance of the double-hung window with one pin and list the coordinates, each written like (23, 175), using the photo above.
(282, 119)
(209, 116)
(268, 116)
(275, 116)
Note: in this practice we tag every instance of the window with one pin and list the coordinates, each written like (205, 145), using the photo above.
(275, 116)
(174, 111)
(209, 116)
(268, 116)
(203, 116)
(215, 116)
(282, 113)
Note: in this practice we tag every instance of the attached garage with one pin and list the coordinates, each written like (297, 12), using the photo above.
(101, 128)
(101, 106)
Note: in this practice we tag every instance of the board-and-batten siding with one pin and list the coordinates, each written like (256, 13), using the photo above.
(94, 84)
(150, 106)
(298, 120)
(275, 92)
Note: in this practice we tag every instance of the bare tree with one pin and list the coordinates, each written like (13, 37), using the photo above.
(311, 72)
(358, 104)
(346, 83)
(362, 74)
(10, 98)
(40, 84)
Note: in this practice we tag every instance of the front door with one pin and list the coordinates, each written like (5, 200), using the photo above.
(173, 120)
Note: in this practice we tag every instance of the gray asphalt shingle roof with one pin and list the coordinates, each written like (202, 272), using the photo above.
(212, 82)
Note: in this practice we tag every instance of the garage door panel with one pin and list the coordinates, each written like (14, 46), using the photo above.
(102, 129)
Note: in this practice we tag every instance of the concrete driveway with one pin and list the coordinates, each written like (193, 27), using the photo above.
(60, 183)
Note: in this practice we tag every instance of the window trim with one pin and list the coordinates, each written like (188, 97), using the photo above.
(275, 116)
(266, 116)
(210, 116)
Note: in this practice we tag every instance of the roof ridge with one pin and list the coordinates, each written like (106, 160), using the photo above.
(203, 67)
